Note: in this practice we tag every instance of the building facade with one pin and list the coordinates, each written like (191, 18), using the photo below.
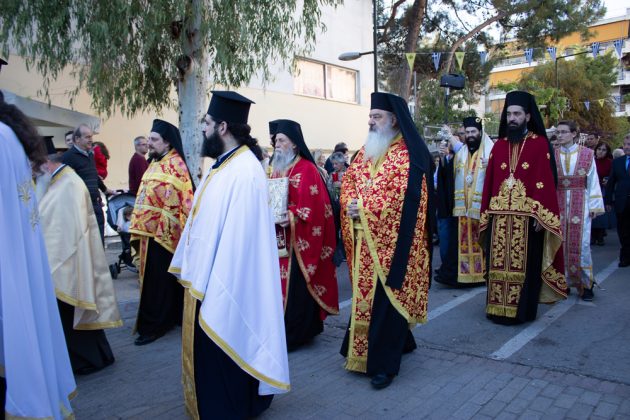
(329, 97)
(605, 31)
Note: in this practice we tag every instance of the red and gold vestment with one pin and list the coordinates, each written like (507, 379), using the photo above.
(310, 236)
(519, 185)
(370, 241)
(164, 200)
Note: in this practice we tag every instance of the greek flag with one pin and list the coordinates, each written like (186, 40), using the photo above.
(595, 49)
(436, 60)
(618, 46)
(587, 104)
(552, 53)
(529, 53)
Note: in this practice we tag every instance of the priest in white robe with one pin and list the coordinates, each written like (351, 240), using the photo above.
(580, 200)
(83, 283)
(234, 351)
(37, 380)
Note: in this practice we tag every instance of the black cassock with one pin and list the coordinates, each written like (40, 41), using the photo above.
(224, 390)
(89, 350)
(162, 298)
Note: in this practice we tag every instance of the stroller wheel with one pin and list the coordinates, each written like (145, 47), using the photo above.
(113, 269)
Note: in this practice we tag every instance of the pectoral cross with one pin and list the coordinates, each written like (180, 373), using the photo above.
(510, 181)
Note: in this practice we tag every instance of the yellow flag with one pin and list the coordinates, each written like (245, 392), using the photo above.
(601, 102)
(459, 56)
(411, 57)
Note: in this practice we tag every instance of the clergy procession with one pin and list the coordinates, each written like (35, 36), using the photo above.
(239, 266)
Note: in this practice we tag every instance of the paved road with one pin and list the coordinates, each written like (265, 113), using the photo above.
(573, 362)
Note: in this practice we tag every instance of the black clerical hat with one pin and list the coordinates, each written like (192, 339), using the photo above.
(382, 101)
(473, 122)
(50, 145)
(522, 98)
(273, 127)
(229, 106)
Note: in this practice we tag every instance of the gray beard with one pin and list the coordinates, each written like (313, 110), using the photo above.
(41, 185)
(377, 143)
(281, 160)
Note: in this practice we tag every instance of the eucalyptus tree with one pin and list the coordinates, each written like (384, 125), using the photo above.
(130, 54)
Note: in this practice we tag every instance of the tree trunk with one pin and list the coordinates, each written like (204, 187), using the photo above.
(192, 88)
(411, 41)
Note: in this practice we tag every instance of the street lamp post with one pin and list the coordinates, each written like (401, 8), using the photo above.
(349, 56)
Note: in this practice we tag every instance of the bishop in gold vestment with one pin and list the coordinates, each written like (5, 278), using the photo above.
(162, 205)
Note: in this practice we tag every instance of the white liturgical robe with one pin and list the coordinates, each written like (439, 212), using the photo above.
(227, 258)
(577, 248)
(33, 350)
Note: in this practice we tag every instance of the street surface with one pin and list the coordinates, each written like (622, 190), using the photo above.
(572, 362)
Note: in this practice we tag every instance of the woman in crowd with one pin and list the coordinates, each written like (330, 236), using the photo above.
(603, 162)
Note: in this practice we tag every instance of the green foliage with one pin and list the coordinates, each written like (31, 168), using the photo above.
(531, 22)
(583, 78)
(622, 128)
(431, 105)
(126, 52)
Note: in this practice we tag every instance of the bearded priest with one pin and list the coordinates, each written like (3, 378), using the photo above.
(520, 219)
(386, 209)
(234, 353)
(306, 239)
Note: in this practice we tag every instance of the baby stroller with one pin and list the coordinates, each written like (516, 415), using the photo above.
(119, 209)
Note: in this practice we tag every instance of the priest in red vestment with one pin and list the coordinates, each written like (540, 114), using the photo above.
(386, 209)
(306, 239)
(520, 219)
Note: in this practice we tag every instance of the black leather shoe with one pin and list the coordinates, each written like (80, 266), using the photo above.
(587, 295)
(624, 263)
(146, 339)
(381, 380)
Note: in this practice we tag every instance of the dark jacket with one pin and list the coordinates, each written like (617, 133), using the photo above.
(85, 167)
(445, 188)
(618, 185)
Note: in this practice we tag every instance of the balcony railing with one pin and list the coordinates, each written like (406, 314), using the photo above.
(520, 59)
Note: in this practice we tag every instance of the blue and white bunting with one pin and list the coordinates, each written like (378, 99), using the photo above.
(552, 53)
(617, 99)
(587, 104)
(595, 49)
(483, 57)
(529, 54)
(618, 46)
(436, 60)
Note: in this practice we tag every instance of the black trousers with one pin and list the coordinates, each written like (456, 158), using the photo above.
(100, 219)
(224, 390)
(623, 230)
(162, 299)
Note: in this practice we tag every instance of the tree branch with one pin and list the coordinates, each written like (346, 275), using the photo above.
(472, 33)
(390, 21)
